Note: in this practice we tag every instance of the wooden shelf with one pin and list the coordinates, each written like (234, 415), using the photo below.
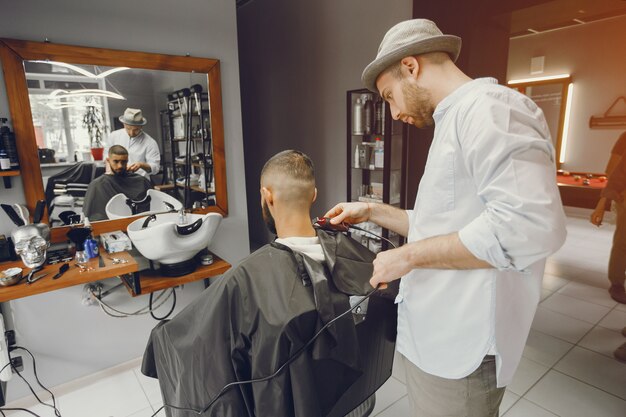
(195, 164)
(144, 281)
(10, 173)
(151, 281)
(166, 187)
(72, 277)
(193, 138)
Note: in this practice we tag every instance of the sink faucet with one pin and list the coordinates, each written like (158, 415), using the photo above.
(182, 216)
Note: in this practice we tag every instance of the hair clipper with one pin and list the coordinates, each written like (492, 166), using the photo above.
(325, 224)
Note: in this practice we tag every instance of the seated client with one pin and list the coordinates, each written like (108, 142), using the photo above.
(255, 317)
(119, 180)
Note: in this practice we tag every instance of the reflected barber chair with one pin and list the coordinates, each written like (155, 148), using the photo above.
(120, 206)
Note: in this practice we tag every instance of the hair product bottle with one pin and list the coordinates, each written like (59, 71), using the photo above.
(379, 118)
(368, 110)
(357, 117)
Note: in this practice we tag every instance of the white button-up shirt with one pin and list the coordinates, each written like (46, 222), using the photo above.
(490, 175)
(142, 148)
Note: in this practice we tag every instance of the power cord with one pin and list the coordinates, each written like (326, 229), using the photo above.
(57, 412)
(169, 312)
(142, 311)
(278, 371)
(373, 234)
(325, 224)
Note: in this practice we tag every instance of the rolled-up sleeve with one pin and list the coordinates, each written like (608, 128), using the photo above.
(510, 158)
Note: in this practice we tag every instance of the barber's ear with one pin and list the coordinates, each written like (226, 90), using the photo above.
(410, 66)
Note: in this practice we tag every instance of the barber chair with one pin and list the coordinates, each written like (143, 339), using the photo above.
(120, 206)
(377, 344)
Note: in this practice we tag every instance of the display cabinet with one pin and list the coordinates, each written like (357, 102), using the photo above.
(376, 156)
(187, 156)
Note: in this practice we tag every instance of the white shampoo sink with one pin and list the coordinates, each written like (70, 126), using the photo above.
(160, 238)
(120, 206)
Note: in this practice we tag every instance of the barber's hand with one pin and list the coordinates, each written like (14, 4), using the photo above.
(351, 213)
(391, 265)
(134, 167)
(597, 216)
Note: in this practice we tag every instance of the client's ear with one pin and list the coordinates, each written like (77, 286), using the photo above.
(267, 195)
(314, 195)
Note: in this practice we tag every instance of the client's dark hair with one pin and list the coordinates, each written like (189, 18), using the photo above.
(117, 150)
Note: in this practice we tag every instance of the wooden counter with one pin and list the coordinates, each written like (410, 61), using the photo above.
(137, 282)
(150, 281)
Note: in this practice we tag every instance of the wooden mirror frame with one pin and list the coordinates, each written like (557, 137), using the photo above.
(13, 54)
(565, 83)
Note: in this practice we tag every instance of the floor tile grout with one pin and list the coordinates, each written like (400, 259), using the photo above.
(589, 385)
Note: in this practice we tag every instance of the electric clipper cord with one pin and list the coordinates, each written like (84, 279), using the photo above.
(279, 370)
(320, 223)
(325, 224)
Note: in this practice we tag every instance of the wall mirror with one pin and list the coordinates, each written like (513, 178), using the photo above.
(66, 100)
(553, 96)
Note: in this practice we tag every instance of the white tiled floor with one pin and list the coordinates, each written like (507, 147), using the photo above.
(567, 369)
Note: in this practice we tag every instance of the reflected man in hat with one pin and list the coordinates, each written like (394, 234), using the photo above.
(143, 150)
(486, 216)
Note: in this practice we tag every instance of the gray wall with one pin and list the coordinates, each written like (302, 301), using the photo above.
(298, 59)
(593, 54)
(70, 340)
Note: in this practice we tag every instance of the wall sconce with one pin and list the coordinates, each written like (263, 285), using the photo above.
(568, 108)
(538, 79)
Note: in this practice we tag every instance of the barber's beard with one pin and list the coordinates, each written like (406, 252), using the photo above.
(268, 218)
(419, 104)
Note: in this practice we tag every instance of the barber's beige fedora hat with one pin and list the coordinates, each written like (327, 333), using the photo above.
(409, 38)
(133, 117)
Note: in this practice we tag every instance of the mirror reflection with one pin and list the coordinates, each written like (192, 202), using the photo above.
(110, 134)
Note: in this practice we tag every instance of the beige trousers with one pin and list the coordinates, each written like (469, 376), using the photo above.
(475, 395)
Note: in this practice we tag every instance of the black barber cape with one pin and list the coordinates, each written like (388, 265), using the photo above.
(105, 187)
(251, 320)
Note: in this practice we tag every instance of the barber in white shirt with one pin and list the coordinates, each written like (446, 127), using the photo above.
(144, 156)
(486, 216)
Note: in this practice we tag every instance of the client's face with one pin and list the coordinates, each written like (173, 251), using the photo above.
(268, 218)
(118, 164)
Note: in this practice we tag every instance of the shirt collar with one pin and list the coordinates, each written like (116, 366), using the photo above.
(457, 94)
(138, 137)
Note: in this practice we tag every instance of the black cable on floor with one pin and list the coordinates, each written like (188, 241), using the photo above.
(53, 406)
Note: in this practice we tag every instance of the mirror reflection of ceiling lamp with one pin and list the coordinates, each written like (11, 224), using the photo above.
(59, 99)
(81, 70)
